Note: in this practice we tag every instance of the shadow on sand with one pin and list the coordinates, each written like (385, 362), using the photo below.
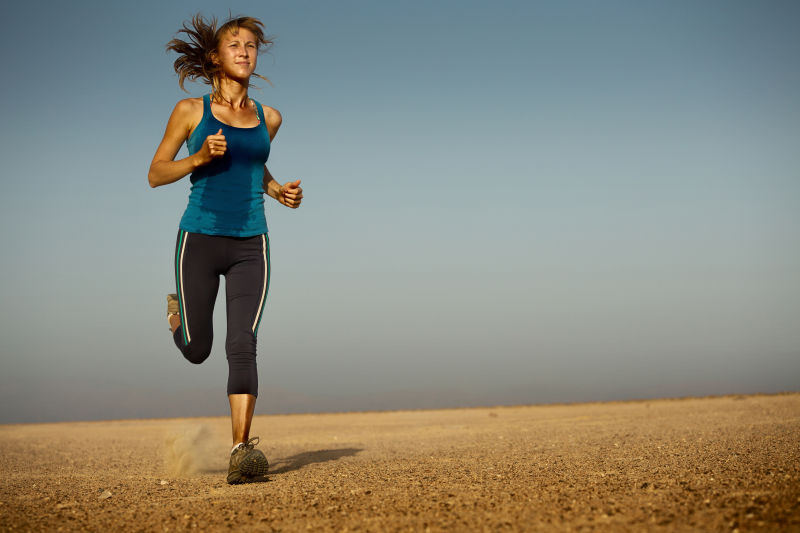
(296, 462)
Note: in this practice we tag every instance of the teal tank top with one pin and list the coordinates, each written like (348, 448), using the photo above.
(227, 195)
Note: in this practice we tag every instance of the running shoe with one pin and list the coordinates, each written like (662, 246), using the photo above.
(247, 465)
(172, 304)
(172, 307)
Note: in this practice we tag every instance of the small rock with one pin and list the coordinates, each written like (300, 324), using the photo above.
(106, 494)
(163, 482)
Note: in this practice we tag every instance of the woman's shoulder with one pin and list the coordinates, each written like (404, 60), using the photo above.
(188, 113)
(272, 117)
(189, 106)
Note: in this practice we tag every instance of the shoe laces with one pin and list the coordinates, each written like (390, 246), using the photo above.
(250, 444)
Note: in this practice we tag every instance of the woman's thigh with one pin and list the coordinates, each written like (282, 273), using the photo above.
(246, 286)
(197, 272)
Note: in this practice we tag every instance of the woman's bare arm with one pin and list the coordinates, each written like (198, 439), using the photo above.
(289, 194)
(164, 169)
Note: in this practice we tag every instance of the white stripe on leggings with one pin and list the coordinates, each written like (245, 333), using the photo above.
(185, 318)
(264, 289)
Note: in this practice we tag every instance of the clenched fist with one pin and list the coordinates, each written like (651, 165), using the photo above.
(213, 147)
(290, 194)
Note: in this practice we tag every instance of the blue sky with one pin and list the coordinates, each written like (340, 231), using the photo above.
(506, 203)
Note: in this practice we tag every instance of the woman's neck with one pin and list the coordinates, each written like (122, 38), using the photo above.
(232, 93)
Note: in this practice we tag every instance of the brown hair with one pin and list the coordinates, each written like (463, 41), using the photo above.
(195, 54)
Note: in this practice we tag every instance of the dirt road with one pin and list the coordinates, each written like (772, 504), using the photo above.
(674, 465)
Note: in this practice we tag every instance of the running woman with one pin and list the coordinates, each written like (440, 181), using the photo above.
(223, 230)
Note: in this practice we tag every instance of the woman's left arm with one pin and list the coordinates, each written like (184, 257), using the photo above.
(289, 194)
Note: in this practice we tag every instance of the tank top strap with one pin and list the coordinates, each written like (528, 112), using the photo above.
(260, 111)
(206, 105)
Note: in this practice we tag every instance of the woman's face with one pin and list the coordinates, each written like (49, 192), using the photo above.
(237, 54)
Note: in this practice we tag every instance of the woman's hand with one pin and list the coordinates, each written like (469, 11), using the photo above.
(290, 194)
(213, 147)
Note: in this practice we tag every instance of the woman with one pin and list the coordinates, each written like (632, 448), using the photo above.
(223, 230)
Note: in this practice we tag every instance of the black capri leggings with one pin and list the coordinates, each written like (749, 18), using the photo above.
(244, 261)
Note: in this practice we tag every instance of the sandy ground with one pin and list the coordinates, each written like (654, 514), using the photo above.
(678, 465)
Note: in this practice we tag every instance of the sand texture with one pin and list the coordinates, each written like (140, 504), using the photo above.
(717, 464)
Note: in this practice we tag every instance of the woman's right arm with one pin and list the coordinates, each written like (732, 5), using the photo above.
(164, 169)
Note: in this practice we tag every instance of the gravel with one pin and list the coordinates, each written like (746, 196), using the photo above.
(711, 464)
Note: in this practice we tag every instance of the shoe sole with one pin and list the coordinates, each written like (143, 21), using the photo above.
(172, 304)
(236, 478)
(255, 464)
(252, 469)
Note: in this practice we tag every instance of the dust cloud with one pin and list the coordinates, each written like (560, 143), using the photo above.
(191, 449)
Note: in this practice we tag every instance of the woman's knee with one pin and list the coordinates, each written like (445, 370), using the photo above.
(197, 350)
(241, 346)
(242, 368)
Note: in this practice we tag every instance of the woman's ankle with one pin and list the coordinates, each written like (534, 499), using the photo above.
(174, 321)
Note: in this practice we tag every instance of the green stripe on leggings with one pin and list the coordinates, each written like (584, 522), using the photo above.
(178, 284)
